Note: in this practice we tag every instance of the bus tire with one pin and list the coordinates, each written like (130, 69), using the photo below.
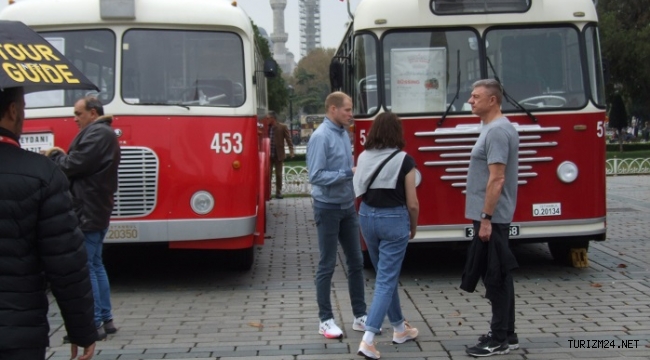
(561, 250)
(241, 259)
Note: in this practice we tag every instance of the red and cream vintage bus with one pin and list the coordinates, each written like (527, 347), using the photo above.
(419, 58)
(185, 83)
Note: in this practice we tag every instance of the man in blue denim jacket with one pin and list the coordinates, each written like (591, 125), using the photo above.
(331, 168)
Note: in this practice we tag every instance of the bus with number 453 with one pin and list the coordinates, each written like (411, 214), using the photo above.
(419, 59)
(186, 86)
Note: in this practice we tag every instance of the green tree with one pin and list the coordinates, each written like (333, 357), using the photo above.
(625, 41)
(618, 118)
(276, 86)
(311, 81)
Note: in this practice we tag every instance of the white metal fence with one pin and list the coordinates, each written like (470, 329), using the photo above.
(296, 179)
(617, 166)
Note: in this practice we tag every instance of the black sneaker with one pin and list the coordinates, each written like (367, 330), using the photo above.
(513, 340)
(109, 327)
(488, 348)
(101, 333)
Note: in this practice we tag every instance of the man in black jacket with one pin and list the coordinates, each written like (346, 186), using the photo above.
(39, 242)
(91, 166)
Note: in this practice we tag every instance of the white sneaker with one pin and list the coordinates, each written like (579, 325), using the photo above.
(410, 333)
(359, 323)
(330, 330)
(368, 351)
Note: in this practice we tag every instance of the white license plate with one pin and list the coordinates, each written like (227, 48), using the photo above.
(121, 232)
(512, 231)
(36, 141)
(552, 209)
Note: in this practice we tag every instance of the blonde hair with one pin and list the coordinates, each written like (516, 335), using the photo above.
(336, 98)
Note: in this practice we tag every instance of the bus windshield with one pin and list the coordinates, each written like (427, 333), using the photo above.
(178, 67)
(92, 52)
(539, 67)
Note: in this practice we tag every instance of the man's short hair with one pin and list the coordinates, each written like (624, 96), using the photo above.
(271, 114)
(94, 103)
(336, 98)
(8, 96)
(493, 87)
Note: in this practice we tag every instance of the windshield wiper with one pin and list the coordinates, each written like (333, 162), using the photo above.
(164, 103)
(509, 99)
(451, 103)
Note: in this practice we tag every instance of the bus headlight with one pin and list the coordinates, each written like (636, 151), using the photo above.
(418, 177)
(567, 172)
(202, 202)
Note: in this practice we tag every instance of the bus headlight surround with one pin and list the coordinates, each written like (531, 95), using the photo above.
(202, 202)
(567, 172)
(418, 177)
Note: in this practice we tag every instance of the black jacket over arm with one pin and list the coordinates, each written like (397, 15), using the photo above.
(39, 242)
(489, 261)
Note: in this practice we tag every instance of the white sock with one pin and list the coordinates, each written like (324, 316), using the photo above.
(400, 328)
(369, 337)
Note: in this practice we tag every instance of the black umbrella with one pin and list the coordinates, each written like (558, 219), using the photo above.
(29, 61)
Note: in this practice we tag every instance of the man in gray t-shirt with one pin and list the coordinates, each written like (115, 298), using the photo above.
(494, 154)
(490, 204)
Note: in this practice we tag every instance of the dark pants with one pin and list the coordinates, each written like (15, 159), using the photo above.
(23, 354)
(501, 297)
(278, 164)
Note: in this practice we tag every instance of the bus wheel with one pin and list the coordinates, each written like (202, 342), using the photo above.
(561, 250)
(367, 263)
(241, 259)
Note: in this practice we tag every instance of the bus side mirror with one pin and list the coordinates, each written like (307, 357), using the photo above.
(270, 68)
(336, 75)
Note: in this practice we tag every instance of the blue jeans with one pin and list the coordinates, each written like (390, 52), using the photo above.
(339, 226)
(98, 276)
(386, 233)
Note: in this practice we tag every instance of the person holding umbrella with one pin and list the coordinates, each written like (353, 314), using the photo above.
(41, 243)
(40, 240)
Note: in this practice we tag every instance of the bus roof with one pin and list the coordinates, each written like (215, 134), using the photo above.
(417, 13)
(84, 13)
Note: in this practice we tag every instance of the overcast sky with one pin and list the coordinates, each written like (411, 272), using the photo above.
(333, 15)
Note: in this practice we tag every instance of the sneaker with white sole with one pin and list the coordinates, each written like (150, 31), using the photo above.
(513, 340)
(330, 330)
(488, 347)
(368, 350)
(409, 333)
(359, 323)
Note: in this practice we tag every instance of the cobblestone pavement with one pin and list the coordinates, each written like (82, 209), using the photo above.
(176, 305)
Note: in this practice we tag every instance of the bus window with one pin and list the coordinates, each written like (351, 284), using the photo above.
(540, 68)
(595, 65)
(197, 68)
(422, 68)
(365, 75)
(92, 52)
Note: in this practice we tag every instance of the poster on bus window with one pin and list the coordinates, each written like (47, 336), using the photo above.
(418, 80)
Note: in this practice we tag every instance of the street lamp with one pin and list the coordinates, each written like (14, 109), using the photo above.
(290, 89)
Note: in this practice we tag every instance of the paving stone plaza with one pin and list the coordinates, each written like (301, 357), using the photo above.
(178, 305)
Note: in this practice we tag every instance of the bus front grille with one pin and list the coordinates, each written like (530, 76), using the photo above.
(137, 183)
(454, 146)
